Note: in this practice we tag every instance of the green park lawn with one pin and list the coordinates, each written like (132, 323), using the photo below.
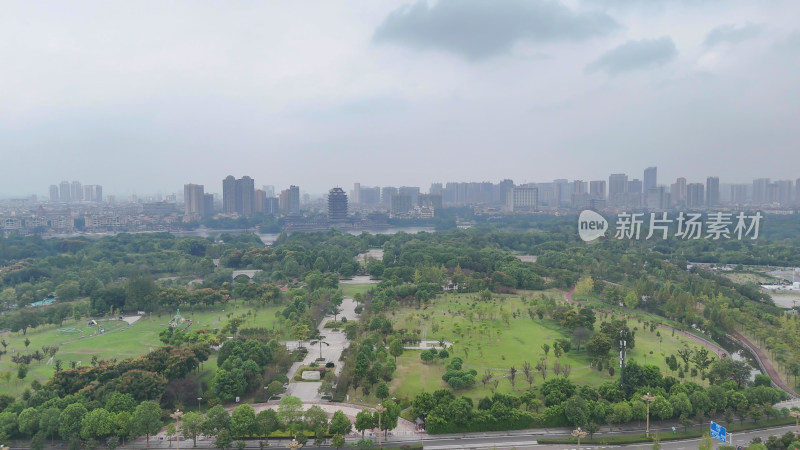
(349, 290)
(119, 340)
(496, 346)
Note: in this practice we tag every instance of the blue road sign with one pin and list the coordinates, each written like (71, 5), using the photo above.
(719, 432)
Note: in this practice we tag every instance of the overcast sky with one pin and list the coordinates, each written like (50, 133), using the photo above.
(143, 97)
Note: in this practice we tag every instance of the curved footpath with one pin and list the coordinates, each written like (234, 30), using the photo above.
(766, 364)
(759, 354)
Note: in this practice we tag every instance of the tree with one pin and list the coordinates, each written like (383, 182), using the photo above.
(576, 411)
(97, 424)
(382, 391)
(223, 440)
(147, 419)
(661, 408)
(192, 426)
(290, 411)
(315, 418)
(340, 424)
(243, 421)
(364, 421)
(396, 348)
(28, 421)
(217, 419)
(705, 442)
(337, 441)
(69, 421)
(546, 349)
(48, 422)
(267, 422)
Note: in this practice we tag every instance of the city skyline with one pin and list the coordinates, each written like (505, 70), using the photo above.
(650, 175)
(387, 93)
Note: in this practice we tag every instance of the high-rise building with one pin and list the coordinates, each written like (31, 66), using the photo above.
(260, 201)
(597, 189)
(617, 189)
(337, 205)
(208, 205)
(290, 200)
(245, 196)
(430, 201)
(695, 195)
(400, 204)
(580, 187)
(650, 179)
(269, 190)
(797, 191)
(677, 192)
(739, 194)
(229, 195)
(760, 191)
(238, 196)
(656, 197)
(386, 195)
(63, 190)
(370, 195)
(272, 205)
(712, 192)
(75, 191)
(53, 193)
(357, 193)
(523, 198)
(411, 191)
(785, 191)
(194, 200)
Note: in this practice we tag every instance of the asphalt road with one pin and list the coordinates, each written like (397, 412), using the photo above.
(529, 442)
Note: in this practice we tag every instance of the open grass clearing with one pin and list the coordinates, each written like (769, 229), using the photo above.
(119, 340)
(493, 336)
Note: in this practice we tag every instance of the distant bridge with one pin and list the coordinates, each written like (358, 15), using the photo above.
(247, 273)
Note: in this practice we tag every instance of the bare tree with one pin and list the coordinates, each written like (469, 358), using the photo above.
(566, 369)
(487, 377)
(526, 369)
(512, 375)
(557, 367)
(541, 366)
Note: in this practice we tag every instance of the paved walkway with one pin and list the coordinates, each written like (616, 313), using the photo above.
(331, 349)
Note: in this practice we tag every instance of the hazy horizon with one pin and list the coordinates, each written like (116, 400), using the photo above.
(146, 97)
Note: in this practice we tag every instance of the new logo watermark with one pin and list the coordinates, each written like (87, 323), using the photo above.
(717, 225)
(591, 225)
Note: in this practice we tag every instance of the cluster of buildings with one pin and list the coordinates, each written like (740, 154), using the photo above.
(75, 192)
(73, 206)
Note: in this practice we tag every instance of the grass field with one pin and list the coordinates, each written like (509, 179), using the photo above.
(494, 345)
(119, 340)
(350, 290)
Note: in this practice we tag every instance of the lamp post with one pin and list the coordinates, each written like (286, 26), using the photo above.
(796, 415)
(199, 399)
(647, 399)
(578, 433)
(380, 409)
(177, 416)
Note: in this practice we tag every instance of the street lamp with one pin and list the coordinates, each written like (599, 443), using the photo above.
(380, 409)
(199, 399)
(177, 416)
(578, 433)
(648, 398)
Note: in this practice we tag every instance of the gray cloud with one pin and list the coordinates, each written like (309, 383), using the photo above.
(790, 44)
(732, 34)
(633, 55)
(476, 29)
